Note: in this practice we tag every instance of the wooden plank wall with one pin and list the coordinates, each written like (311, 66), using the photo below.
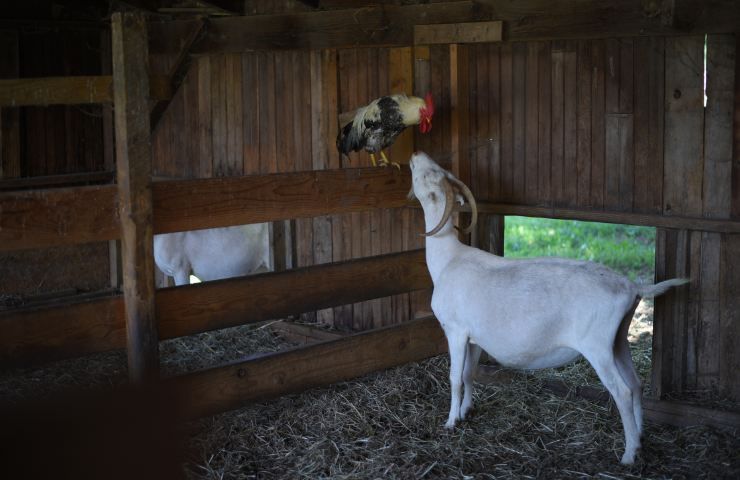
(270, 112)
(612, 125)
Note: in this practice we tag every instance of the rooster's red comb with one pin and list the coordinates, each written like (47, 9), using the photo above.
(430, 104)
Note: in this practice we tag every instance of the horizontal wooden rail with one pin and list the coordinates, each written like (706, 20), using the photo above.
(232, 386)
(627, 218)
(38, 335)
(57, 181)
(45, 218)
(21, 92)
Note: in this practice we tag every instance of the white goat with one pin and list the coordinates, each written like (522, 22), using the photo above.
(213, 253)
(527, 313)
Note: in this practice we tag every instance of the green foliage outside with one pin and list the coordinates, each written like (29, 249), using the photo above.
(626, 249)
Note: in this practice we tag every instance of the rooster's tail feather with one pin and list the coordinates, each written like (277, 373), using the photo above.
(348, 140)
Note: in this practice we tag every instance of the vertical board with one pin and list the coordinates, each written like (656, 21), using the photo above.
(729, 352)
(532, 123)
(506, 126)
(205, 132)
(558, 125)
(598, 127)
(570, 123)
(583, 123)
(519, 126)
(10, 142)
(250, 113)
(717, 188)
(684, 126)
(708, 327)
(544, 126)
(493, 134)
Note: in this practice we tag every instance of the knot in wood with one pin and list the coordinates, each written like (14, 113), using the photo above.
(241, 373)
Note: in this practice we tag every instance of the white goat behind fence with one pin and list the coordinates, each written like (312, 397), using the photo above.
(526, 313)
(213, 253)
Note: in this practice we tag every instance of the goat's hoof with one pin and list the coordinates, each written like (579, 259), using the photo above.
(627, 459)
(450, 425)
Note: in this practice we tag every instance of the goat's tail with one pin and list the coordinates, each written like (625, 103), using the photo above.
(660, 288)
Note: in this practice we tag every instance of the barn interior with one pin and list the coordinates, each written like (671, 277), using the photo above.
(125, 120)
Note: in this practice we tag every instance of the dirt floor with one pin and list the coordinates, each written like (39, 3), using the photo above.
(389, 425)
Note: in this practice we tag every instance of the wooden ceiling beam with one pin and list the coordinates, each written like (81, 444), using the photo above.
(393, 25)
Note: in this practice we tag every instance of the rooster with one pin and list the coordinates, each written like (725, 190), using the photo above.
(376, 125)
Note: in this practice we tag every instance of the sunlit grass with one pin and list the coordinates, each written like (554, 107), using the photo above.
(627, 249)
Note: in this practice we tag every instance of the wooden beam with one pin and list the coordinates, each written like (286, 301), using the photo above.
(134, 165)
(626, 218)
(231, 386)
(218, 202)
(38, 335)
(19, 92)
(65, 180)
(179, 70)
(378, 25)
(44, 218)
(393, 25)
(471, 32)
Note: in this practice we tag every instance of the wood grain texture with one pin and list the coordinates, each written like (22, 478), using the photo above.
(134, 166)
(231, 386)
(67, 90)
(470, 32)
(392, 25)
(729, 300)
(34, 336)
(684, 126)
(720, 91)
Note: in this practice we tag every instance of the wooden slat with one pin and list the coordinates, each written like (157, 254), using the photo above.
(10, 139)
(720, 93)
(558, 125)
(459, 86)
(471, 32)
(506, 127)
(519, 119)
(32, 336)
(68, 90)
(205, 132)
(570, 126)
(225, 388)
(627, 218)
(392, 25)
(709, 332)
(66, 180)
(33, 219)
(303, 334)
(583, 124)
(544, 133)
(729, 299)
(684, 126)
(531, 133)
(134, 166)
(598, 129)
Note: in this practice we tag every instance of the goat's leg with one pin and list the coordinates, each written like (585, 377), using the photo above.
(630, 377)
(457, 342)
(606, 368)
(627, 366)
(471, 365)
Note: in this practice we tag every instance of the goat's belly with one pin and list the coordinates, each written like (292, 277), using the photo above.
(530, 360)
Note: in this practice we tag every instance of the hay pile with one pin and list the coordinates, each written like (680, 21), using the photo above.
(390, 424)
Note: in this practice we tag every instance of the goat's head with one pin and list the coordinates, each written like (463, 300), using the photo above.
(431, 184)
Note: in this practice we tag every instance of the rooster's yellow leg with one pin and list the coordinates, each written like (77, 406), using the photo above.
(372, 159)
(385, 162)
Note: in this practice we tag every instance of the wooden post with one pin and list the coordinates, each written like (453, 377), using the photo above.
(459, 121)
(134, 166)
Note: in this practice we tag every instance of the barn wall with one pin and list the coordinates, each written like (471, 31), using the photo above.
(613, 125)
(260, 112)
(39, 141)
